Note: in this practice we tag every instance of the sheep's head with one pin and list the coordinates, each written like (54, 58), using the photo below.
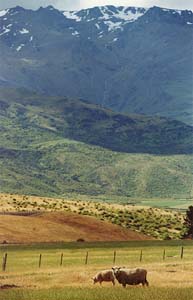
(116, 270)
(94, 280)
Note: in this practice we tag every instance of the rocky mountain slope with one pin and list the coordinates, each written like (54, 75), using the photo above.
(128, 59)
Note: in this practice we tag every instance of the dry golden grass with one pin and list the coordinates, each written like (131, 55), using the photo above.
(66, 225)
(53, 222)
(48, 225)
(61, 226)
(13, 202)
(159, 275)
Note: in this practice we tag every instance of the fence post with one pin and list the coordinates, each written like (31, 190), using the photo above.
(40, 260)
(4, 264)
(182, 252)
(61, 259)
(164, 254)
(114, 257)
(141, 256)
(86, 259)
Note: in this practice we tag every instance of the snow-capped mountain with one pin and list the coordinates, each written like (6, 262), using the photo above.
(126, 58)
(100, 21)
(109, 17)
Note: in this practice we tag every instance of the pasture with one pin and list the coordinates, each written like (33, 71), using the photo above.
(169, 275)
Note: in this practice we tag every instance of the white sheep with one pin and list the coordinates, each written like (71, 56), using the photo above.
(105, 275)
(130, 276)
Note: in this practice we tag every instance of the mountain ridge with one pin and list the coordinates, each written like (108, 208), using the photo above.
(132, 66)
(89, 123)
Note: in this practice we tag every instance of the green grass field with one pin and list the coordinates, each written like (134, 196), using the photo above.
(100, 294)
(169, 278)
(176, 204)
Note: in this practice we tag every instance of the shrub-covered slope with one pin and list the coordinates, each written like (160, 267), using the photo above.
(37, 158)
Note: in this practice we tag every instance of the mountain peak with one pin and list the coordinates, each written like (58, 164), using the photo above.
(109, 16)
(50, 7)
(169, 15)
(17, 9)
(124, 58)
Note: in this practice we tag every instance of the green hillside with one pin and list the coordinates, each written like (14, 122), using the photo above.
(55, 168)
(37, 158)
(30, 117)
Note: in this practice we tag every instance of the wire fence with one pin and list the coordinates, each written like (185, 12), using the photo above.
(12, 261)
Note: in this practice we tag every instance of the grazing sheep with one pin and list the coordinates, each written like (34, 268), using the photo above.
(131, 276)
(106, 275)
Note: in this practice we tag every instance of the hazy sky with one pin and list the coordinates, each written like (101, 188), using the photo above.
(77, 4)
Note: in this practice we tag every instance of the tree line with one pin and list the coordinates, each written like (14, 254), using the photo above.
(188, 222)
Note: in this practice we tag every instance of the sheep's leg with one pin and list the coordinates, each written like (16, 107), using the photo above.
(146, 282)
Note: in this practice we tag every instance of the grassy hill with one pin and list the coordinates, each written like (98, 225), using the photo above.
(47, 118)
(43, 216)
(46, 149)
(61, 227)
(57, 168)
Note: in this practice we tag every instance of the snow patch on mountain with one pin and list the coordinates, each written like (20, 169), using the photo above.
(176, 11)
(5, 30)
(128, 14)
(75, 33)
(97, 26)
(19, 47)
(113, 17)
(3, 12)
(71, 15)
(24, 31)
(117, 17)
(113, 25)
